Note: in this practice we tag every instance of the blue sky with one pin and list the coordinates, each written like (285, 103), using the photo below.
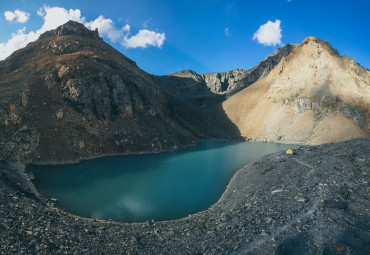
(166, 36)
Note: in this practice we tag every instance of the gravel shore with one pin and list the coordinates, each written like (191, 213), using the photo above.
(313, 202)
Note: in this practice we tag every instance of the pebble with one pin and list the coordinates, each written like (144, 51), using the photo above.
(277, 191)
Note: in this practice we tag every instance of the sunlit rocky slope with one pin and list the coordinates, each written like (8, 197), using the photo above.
(312, 96)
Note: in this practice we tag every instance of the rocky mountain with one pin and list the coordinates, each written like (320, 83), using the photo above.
(312, 96)
(189, 83)
(69, 95)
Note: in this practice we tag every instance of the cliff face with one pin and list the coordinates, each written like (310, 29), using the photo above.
(224, 82)
(312, 96)
(188, 83)
(70, 95)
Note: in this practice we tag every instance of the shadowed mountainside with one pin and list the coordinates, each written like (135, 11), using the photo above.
(69, 95)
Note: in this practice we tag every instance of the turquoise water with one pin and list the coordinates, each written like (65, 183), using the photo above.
(143, 187)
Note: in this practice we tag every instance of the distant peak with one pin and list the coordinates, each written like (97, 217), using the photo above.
(189, 71)
(313, 39)
(317, 41)
(185, 72)
(72, 24)
(71, 28)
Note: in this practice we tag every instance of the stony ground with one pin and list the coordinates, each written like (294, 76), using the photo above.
(314, 202)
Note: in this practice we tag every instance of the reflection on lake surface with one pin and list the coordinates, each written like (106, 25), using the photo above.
(136, 188)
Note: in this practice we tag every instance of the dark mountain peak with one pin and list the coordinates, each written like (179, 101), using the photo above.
(71, 28)
(72, 95)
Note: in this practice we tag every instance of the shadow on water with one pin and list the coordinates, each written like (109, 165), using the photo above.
(154, 186)
(89, 171)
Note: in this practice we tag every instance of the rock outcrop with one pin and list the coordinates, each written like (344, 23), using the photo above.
(224, 82)
(190, 84)
(312, 96)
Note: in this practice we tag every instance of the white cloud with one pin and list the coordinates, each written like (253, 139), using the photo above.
(269, 34)
(18, 15)
(227, 31)
(18, 40)
(52, 16)
(56, 16)
(144, 39)
(126, 28)
(106, 27)
(9, 16)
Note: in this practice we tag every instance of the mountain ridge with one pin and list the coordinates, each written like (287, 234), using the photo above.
(228, 82)
(69, 96)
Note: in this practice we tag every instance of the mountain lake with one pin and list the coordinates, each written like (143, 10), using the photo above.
(136, 188)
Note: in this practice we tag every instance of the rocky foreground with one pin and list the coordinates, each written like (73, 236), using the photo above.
(314, 202)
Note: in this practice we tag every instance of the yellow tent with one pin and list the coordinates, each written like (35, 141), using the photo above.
(289, 152)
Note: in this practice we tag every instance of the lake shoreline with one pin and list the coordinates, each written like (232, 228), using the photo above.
(310, 202)
(177, 148)
(144, 187)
